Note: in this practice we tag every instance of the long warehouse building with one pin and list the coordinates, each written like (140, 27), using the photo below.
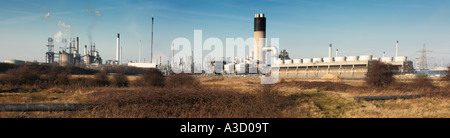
(343, 67)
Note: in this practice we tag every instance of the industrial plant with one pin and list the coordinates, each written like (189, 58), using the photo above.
(340, 66)
(308, 67)
(72, 56)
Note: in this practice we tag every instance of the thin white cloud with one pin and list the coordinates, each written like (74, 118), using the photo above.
(47, 15)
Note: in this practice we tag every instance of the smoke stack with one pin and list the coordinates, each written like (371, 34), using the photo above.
(151, 52)
(259, 32)
(337, 50)
(117, 48)
(396, 49)
(77, 48)
(329, 51)
(85, 55)
(140, 43)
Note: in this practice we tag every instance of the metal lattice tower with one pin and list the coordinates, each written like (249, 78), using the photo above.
(423, 64)
(50, 45)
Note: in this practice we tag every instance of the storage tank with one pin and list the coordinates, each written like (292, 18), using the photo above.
(351, 58)
(297, 61)
(241, 68)
(400, 59)
(229, 68)
(318, 60)
(306, 60)
(365, 57)
(288, 61)
(327, 59)
(386, 59)
(65, 59)
(339, 59)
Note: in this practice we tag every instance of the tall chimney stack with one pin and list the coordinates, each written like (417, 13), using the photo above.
(118, 49)
(77, 48)
(151, 48)
(259, 32)
(396, 49)
(337, 50)
(329, 51)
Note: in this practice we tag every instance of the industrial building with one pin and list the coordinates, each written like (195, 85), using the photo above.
(340, 66)
(72, 56)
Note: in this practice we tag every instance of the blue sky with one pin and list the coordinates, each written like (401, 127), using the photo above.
(305, 27)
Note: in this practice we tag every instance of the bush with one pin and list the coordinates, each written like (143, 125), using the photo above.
(101, 79)
(379, 74)
(20, 76)
(120, 80)
(154, 77)
(58, 76)
(184, 103)
(183, 81)
(422, 83)
(447, 76)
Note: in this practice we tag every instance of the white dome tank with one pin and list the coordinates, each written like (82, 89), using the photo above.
(297, 61)
(365, 57)
(339, 59)
(400, 59)
(306, 60)
(386, 59)
(318, 60)
(352, 58)
(327, 59)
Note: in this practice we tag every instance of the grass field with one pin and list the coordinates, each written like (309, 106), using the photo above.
(221, 97)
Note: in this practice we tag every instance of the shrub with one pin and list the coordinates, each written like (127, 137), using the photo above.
(58, 76)
(182, 80)
(379, 74)
(20, 76)
(184, 103)
(120, 80)
(154, 77)
(101, 79)
(422, 82)
(447, 76)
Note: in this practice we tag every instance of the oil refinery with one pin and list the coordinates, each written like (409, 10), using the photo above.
(353, 66)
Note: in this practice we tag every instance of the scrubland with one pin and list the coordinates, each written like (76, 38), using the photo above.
(184, 96)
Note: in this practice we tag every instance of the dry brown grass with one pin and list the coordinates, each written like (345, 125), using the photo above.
(182, 102)
(240, 98)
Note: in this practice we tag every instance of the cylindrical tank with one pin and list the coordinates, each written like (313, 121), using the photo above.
(241, 68)
(288, 61)
(351, 58)
(365, 57)
(306, 60)
(386, 59)
(65, 59)
(327, 59)
(229, 68)
(400, 59)
(297, 61)
(318, 60)
(339, 59)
